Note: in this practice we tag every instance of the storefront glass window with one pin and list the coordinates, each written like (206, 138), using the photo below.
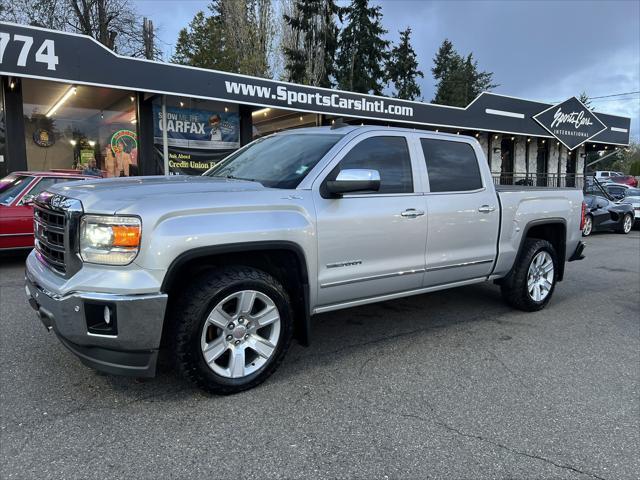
(77, 127)
(200, 133)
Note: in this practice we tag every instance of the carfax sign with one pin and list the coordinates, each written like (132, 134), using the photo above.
(191, 128)
(571, 122)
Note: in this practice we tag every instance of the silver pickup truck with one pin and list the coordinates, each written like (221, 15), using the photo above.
(225, 269)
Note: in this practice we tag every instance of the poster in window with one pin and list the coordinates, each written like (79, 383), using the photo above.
(201, 129)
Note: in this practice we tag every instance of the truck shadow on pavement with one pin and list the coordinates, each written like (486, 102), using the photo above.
(343, 337)
(347, 335)
(340, 336)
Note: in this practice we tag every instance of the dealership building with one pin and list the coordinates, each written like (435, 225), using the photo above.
(67, 100)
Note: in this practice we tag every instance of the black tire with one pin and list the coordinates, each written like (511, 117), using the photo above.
(189, 314)
(588, 226)
(514, 286)
(627, 218)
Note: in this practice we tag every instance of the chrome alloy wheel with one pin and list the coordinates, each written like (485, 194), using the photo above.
(240, 334)
(588, 226)
(628, 223)
(540, 276)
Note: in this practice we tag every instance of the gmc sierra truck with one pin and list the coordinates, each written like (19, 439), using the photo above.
(223, 270)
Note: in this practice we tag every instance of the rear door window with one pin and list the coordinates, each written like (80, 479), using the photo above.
(451, 166)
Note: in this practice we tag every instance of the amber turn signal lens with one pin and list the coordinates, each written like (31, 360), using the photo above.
(125, 236)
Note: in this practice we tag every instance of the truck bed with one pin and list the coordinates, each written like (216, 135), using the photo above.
(522, 206)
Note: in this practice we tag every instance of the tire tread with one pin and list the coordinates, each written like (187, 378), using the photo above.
(514, 287)
(187, 314)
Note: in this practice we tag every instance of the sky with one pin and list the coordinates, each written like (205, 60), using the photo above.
(545, 50)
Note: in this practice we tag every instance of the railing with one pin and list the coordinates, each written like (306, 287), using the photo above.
(552, 180)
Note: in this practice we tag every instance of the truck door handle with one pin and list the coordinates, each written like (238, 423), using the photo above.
(486, 209)
(412, 213)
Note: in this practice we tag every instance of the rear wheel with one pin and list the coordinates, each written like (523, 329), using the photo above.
(627, 224)
(530, 284)
(233, 328)
(588, 226)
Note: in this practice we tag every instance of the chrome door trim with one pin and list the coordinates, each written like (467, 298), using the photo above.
(372, 277)
(458, 192)
(456, 265)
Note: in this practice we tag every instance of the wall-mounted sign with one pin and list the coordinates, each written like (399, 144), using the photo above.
(124, 141)
(191, 128)
(43, 138)
(571, 122)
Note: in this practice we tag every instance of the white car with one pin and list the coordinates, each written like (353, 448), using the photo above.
(604, 174)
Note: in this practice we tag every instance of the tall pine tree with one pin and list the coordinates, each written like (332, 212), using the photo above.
(402, 68)
(309, 59)
(458, 79)
(362, 51)
(201, 43)
(236, 37)
(586, 101)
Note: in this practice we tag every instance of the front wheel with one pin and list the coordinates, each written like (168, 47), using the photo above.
(233, 328)
(627, 224)
(530, 284)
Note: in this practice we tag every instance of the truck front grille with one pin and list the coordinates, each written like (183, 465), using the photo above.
(50, 229)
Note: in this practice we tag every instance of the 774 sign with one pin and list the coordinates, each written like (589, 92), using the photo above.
(45, 53)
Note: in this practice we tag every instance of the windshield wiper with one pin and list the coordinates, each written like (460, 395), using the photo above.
(233, 177)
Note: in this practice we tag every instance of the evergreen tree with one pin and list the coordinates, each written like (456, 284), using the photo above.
(200, 44)
(586, 101)
(361, 49)
(236, 37)
(402, 68)
(309, 57)
(458, 79)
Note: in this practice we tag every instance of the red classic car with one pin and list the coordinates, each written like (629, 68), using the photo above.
(17, 192)
(625, 180)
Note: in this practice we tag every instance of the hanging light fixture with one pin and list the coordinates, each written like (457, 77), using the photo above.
(71, 91)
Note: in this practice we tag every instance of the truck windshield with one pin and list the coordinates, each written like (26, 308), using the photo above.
(278, 161)
(11, 186)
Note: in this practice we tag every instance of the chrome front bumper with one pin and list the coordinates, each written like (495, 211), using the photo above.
(133, 350)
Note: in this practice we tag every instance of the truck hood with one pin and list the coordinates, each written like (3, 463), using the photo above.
(113, 194)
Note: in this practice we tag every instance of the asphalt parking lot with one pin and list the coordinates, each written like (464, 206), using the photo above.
(446, 385)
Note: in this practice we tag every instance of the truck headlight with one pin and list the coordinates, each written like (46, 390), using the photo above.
(109, 240)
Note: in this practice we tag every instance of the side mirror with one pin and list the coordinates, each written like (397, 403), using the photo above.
(354, 180)
(28, 199)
